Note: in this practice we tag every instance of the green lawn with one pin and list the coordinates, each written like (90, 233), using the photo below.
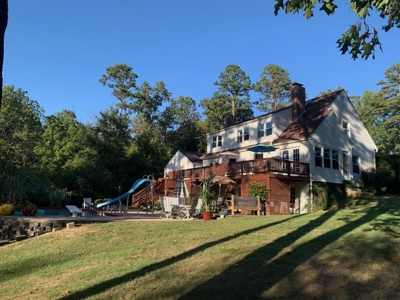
(351, 253)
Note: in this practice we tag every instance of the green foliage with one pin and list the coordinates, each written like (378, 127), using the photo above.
(148, 100)
(235, 83)
(359, 39)
(257, 189)
(122, 80)
(373, 179)
(98, 201)
(274, 86)
(206, 194)
(57, 196)
(327, 195)
(20, 128)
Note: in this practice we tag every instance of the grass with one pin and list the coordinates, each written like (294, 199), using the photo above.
(352, 253)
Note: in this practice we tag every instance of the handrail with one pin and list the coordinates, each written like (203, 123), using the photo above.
(257, 166)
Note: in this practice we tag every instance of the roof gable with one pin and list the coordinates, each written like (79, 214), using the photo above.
(316, 111)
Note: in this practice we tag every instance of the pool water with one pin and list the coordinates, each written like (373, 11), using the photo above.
(58, 212)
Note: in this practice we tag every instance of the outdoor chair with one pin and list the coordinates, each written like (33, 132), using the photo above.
(197, 210)
(187, 211)
(87, 203)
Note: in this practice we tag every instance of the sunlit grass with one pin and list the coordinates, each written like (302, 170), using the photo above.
(349, 253)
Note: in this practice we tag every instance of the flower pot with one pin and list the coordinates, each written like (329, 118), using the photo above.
(207, 215)
(25, 211)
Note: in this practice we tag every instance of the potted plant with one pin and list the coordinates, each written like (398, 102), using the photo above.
(257, 189)
(27, 208)
(208, 197)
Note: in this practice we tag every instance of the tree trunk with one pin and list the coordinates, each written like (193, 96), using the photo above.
(3, 26)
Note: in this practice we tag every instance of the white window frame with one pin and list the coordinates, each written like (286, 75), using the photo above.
(246, 134)
(268, 128)
(240, 136)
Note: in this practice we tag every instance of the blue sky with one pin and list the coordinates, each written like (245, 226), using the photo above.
(58, 50)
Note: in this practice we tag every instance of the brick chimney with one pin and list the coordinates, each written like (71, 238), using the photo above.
(230, 121)
(298, 99)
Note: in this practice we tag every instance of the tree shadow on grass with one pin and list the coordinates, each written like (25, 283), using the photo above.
(101, 287)
(261, 270)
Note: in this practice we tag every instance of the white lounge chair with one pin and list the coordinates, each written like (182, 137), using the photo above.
(75, 212)
(87, 203)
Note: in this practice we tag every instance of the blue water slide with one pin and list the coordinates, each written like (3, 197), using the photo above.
(138, 183)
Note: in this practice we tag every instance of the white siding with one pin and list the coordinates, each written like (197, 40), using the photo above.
(329, 135)
(178, 162)
(302, 198)
(363, 145)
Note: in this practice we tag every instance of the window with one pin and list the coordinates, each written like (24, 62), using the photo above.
(296, 155)
(318, 157)
(327, 158)
(246, 134)
(335, 159)
(258, 155)
(292, 196)
(260, 130)
(217, 141)
(345, 162)
(285, 154)
(346, 127)
(356, 164)
(268, 129)
(239, 136)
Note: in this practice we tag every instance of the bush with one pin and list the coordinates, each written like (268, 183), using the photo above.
(327, 195)
(373, 179)
(98, 201)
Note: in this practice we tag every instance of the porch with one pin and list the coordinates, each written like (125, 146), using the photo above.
(236, 170)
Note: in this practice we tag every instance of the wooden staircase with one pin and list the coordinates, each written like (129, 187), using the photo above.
(143, 197)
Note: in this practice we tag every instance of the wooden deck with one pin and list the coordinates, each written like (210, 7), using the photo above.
(236, 170)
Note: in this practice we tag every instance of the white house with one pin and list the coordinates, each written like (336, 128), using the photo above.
(322, 139)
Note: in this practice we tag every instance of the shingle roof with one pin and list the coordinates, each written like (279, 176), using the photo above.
(193, 156)
(304, 127)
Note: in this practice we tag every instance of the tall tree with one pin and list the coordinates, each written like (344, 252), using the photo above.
(359, 39)
(122, 80)
(20, 127)
(3, 26)
(236, 84)
(274, 86)
(390, 92)
(216, 109)
(107, 161)
(148, 100)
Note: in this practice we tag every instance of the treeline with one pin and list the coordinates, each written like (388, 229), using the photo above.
(53, 159)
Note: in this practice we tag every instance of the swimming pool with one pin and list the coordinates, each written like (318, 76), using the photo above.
(58, 212)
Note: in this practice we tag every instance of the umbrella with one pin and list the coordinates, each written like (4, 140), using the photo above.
(228, 154)
(262, 148)
(180, 189)
(221, 180)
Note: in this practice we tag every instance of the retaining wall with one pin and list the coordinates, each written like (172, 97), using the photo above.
(14, 229)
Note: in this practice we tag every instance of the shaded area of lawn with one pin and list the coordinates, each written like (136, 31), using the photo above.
(259, 271)
(96, 289)
(352, 253)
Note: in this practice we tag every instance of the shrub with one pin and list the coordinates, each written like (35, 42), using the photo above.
(98, 201)
(327, 195)
(257, 189)
(373, 179)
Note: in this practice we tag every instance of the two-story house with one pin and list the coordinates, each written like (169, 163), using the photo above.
(322, 139)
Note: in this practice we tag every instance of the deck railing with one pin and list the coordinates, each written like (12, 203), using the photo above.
(236, 169)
